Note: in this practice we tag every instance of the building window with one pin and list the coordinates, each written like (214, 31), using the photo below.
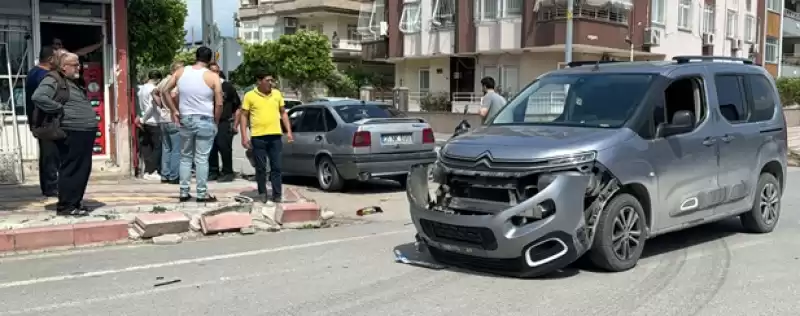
(749, 28)
(512, 8)
(709, 19)
(444, 13)
(425, 80)
(774, 5)
(352, 33)
(657, 11)
(771, 50)
(732, 24)
(509, 81)
(685, 14)
(486, 10)
(410, 18)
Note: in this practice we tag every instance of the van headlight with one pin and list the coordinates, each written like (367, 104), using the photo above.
(574, 159)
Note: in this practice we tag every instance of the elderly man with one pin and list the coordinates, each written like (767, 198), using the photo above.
(80, 126)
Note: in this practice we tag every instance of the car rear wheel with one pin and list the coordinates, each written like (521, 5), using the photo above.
(620, 236)
(328, 176)
(766, 210)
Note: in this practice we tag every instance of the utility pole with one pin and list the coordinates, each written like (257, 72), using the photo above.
(568, 39)
(208, 22)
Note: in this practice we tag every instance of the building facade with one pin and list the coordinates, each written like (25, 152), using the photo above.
(28, 25)
(737, 28)
(264, 20)
(447, 46)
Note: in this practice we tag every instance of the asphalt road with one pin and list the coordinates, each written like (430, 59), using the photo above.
(349, 270)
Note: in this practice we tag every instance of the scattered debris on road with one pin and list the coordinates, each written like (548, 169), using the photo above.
(169, 239)
(369, 210)
(167, 282)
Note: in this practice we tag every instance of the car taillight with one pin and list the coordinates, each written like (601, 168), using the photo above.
(362, 139)
(427, 136)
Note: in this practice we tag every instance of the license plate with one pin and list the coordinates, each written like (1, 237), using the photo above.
(396, 139)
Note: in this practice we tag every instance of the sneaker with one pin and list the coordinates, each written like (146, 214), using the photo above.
(152, 176)
(208, 198)
(227, 178)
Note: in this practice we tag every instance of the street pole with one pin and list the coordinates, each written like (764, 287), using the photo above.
(568, 40)
(208, 21)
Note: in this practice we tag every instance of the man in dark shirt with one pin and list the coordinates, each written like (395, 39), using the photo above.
(223, 145)
(48, 152)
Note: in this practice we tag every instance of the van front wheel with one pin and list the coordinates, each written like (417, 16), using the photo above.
(766, 210)
(620, 236)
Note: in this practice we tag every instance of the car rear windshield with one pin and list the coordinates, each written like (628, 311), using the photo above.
(357, 112)
(591, 100)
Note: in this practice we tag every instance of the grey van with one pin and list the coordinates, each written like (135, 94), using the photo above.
(597, 158)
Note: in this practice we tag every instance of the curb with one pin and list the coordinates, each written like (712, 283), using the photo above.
(66, 235)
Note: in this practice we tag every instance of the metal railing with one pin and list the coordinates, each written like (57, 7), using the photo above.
(616, 15)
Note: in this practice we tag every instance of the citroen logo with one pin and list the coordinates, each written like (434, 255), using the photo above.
(484, 158)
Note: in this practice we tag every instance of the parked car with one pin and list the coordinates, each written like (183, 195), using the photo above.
(337, 141)
(636, 150)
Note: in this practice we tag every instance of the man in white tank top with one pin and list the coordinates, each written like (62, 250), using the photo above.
(197, 115)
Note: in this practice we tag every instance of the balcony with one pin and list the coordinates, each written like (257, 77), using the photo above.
(375, 49)
(591, 26)
(290, 7)
(791, 23)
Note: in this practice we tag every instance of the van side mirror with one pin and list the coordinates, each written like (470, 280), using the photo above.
(682, 122)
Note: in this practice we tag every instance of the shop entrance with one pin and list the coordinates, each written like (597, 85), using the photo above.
(87, 41)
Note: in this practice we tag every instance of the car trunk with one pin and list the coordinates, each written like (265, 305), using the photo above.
(395, 135)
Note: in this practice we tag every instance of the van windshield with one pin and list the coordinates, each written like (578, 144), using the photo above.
(590, 100)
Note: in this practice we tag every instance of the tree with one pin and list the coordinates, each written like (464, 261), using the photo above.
(302, 59)
(155, 30)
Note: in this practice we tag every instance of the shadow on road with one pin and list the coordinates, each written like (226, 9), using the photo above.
(375, 186)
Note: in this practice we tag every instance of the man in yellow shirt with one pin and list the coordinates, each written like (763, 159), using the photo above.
(264, 108)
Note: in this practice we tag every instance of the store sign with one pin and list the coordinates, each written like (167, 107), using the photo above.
(85, 10)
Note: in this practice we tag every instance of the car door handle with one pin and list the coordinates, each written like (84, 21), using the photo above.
(709, 141)
(727, 138)
(318, 138)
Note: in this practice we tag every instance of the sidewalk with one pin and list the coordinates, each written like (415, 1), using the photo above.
(28, 221)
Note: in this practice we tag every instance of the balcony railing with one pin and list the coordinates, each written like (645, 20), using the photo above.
(354, 45)
(617, 15)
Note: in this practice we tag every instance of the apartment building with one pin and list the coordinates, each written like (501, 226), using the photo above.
(447, 46)
(737, 28)
(790, 29)
(264, 20)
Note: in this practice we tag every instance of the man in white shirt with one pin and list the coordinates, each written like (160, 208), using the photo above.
(148, 122)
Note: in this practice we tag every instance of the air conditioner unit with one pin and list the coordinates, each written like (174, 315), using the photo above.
(736, 44)
(708, 39)
(652, 37)
(290, 22)
(384, 28)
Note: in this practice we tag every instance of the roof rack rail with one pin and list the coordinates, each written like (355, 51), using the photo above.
(590, 62)
(688, 59)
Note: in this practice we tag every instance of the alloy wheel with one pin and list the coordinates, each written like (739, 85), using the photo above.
(626, 233)
(769, 204)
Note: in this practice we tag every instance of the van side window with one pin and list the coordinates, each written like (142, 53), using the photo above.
(684, 94)
(731, 96)
(762, 103)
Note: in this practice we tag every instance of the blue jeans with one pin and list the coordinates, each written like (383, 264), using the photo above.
(197, 136)
(170, 151)
(268, 147)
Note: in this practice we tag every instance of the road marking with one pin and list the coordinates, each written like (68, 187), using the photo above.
(68, 304)
(193, 261)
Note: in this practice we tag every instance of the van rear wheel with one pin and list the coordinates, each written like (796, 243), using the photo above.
(620, 236)
(766, 210)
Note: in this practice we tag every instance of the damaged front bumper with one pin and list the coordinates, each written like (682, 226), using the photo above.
(496, 240)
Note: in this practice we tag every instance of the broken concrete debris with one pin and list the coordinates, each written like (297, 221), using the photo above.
(169, 239)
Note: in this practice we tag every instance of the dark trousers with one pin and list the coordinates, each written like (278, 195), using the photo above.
(223, 146)
(268, 147)
(151, 148)
(76, 166)
(49, 163)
